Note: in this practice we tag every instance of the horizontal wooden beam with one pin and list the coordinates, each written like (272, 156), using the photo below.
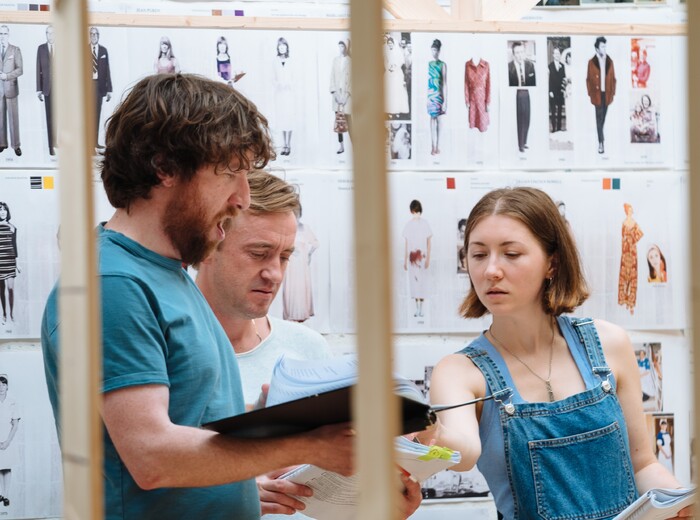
(505, 10)
(415, 10)
(341, 24)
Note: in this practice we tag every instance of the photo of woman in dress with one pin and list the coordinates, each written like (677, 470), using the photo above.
(417, 238)
(437, 94)
(477, 91)
(166, 62)
(8, 262)
(340, 90)
(664, 444)
(223, 63)
(9, 454)
(297, 291)
(627, 283)
(395, 80)
(649, 364)
(284, 98)
(657, 265)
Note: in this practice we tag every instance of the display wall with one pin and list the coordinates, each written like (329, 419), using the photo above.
(454, 132)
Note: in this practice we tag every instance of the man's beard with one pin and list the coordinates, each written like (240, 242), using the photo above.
(187, 227)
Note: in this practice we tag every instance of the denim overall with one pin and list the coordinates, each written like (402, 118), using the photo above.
(569, 459)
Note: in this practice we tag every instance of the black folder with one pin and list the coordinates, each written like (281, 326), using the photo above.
(312, 412)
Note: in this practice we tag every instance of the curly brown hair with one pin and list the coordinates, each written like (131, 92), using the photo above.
(536, 210)
(175, 124)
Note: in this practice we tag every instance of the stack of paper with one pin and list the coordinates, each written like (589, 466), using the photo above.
(657, 504)
(293, 378)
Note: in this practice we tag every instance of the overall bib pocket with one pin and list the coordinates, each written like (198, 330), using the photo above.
(608, 483)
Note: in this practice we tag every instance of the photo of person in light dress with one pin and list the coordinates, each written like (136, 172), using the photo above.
(297, 291)
(9, 454)
(284, 95)
(417, 244)
(395, 80)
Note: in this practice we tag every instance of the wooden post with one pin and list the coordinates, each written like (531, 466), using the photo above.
(375, 407)
(79, 304)
(694, 223)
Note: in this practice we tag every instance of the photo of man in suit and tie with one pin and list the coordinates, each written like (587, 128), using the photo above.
(44, 58)
(601, 83)
(101, 78)
(521, 73)
(10, 70)
(557, 89)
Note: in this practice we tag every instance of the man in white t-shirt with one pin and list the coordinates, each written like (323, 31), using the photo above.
(240, 281)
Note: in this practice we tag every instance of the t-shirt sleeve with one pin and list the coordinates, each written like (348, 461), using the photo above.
(134, 344)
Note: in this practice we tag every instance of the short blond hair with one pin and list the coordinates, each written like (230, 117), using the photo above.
(270, 194)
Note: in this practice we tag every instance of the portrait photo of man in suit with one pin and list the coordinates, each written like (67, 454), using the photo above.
(44, 58)
(557, 91)
(10, 70)
(521, 73)
(101, 78)
(601, 83)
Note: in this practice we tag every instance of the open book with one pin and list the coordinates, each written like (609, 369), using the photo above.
(658, 504)
(308, 394)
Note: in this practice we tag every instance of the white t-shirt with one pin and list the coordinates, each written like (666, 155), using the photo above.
(292, 339)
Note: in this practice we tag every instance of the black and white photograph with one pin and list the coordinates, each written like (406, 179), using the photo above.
(645, 116)
(559, 92)
(399, 141)
(521, 74)
(398, 70)
(30, 462)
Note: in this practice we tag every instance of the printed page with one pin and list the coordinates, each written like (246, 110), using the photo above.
(657, 504)
(335, 496)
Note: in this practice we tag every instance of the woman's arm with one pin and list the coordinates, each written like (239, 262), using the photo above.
(456, 379)
(649, 473)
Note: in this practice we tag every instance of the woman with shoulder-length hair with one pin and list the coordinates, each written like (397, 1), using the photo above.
(166, 62)
(657, 265)
(224, 69)
(560, 432)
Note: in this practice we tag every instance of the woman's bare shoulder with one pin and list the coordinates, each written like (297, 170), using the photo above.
(459, 372)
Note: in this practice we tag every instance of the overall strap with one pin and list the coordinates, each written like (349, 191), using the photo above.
(496, 383)
(588, 335)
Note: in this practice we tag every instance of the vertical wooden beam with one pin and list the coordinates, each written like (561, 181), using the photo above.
(694, 205)
(375, 408)
(465, 10)
(79, 305)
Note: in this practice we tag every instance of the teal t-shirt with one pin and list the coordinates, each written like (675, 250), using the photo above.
(159, 329)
